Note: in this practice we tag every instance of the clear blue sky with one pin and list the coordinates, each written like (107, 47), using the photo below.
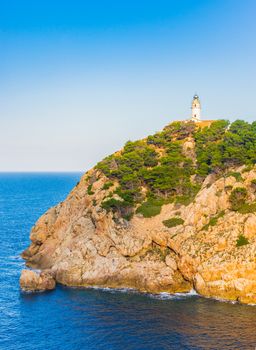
(79, 78)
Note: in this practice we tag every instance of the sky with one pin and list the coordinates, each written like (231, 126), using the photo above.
(80, 78)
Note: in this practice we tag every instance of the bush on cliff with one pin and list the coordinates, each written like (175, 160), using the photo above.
(214, 220)
(173, 222)
(123, 208)
(247, 208)
(151, 207)
(219, 147)
(107, 185)
(242, 240)
(89, 190)
(237, 198)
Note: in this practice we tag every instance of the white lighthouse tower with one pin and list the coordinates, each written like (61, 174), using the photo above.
(196, 109)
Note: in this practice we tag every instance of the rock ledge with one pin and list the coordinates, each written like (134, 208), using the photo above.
(33, 281)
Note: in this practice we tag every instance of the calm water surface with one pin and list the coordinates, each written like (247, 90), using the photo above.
(71, 319)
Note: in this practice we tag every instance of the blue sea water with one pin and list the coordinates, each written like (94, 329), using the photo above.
(70, 319)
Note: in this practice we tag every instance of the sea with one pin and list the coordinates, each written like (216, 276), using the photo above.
(93, 318)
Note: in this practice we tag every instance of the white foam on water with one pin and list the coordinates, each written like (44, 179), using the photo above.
(114, 290)
(170, 296)
(160, 296)
(15, 257)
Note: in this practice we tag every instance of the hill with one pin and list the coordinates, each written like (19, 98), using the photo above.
(171, 212)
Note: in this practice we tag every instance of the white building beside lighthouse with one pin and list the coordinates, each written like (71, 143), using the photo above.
(196, 109)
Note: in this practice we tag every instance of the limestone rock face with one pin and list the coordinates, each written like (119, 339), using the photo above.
(33, 281)
(83, 245)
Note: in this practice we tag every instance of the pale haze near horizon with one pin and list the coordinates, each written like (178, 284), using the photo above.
(78, 80)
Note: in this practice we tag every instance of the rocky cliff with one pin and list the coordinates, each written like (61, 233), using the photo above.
(196, 229)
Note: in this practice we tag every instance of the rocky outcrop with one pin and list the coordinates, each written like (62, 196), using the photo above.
(208, 244)
(83, 245)
(33, 281)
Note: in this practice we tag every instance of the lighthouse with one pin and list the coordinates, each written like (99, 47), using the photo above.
(196, 109)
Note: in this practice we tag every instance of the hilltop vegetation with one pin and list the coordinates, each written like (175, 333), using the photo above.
(156, 170)
(222, 146)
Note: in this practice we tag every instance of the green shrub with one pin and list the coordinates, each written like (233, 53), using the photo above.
(122, 208)
(111, 203)
(128, 216)
(219, 148)
(238, 202)
(213, 221)
(237, 198)
(107, 165)
(128, 195)
(107, 185)
(184, 200)
(157, 140)
(89, 190)
(151, 207)
(242, 240)
(236, 175)
(173, 222)
(247, 208)
(190, 192)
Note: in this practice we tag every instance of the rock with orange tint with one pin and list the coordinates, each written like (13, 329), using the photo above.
(33, 281)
